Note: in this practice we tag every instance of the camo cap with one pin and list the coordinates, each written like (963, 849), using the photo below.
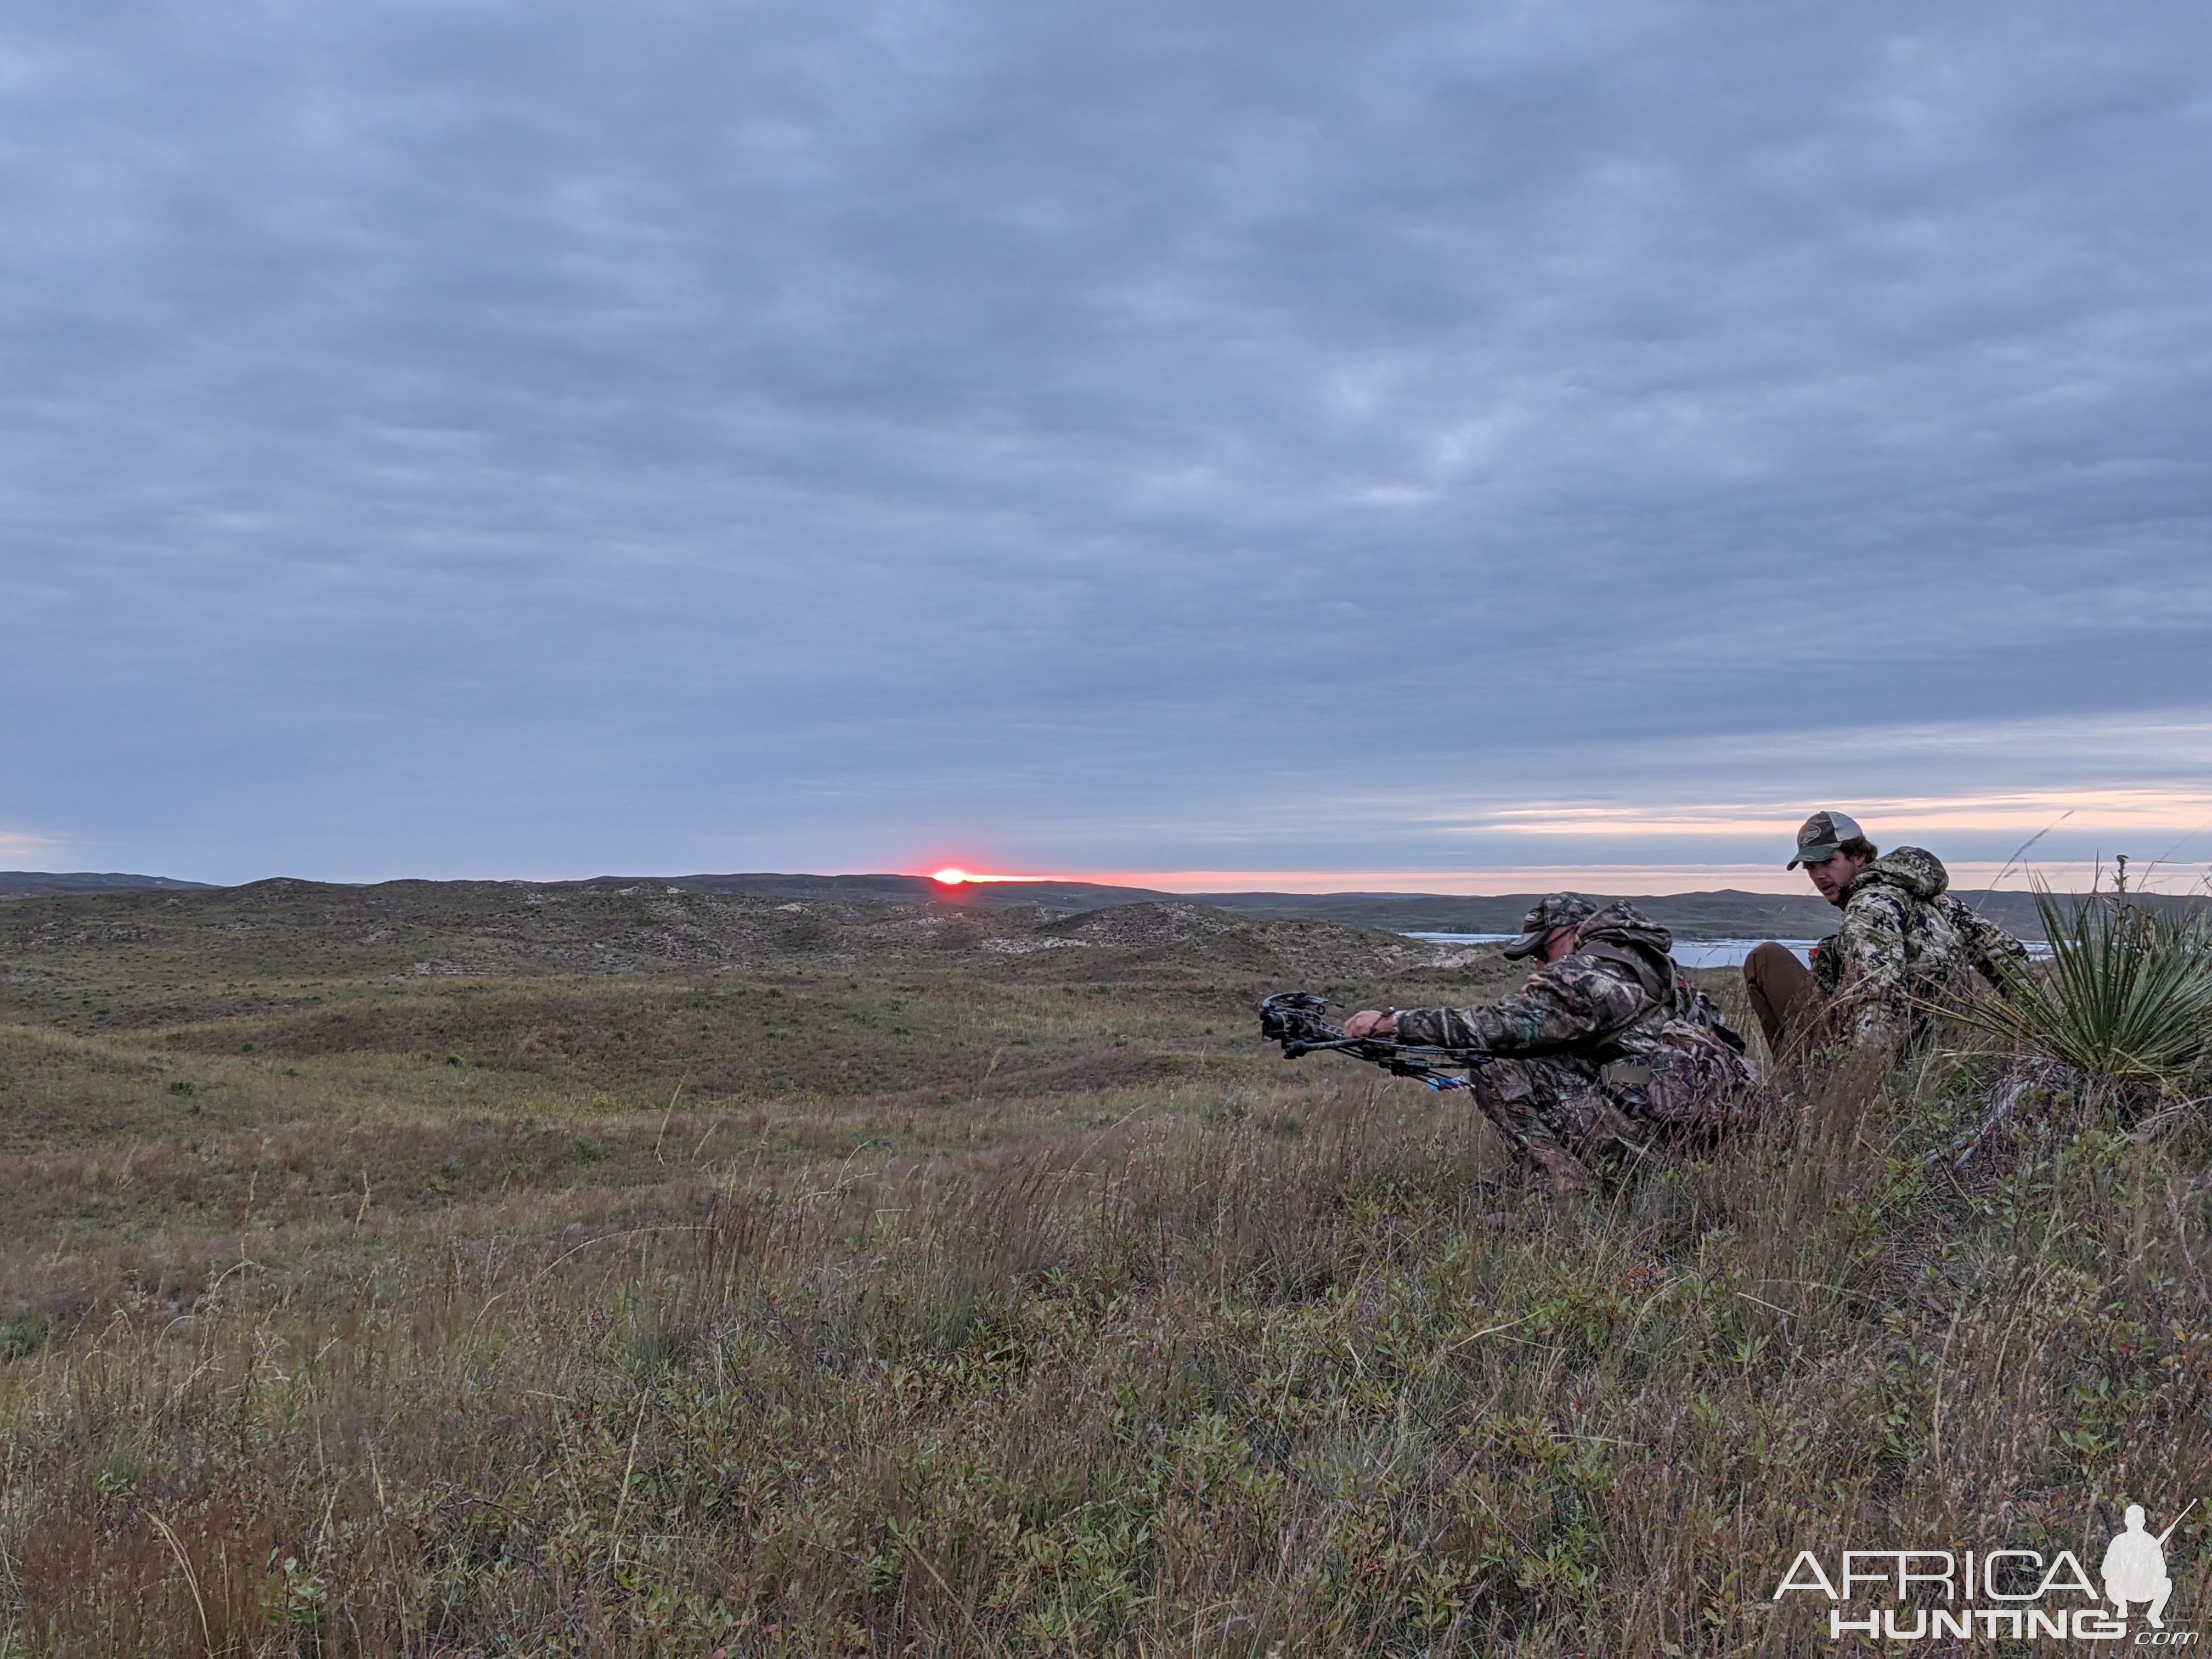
(1550, 913)
(1821, 835)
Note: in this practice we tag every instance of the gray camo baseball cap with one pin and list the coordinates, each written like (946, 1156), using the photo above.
(1550, 913)
(1821, 835)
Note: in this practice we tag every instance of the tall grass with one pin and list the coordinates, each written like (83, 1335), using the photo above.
(1280, 1384)
(2125, 998)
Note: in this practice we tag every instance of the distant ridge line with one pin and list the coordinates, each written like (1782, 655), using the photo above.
(1722, 912)
(50, 883)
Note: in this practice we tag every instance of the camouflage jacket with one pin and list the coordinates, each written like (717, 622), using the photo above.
(1903, 942)
(1620, 1009)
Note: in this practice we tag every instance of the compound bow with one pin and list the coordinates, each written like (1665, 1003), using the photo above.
(1298, 1020)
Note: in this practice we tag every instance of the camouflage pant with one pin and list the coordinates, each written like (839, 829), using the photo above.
(1557, 1117)
(1560, 1115)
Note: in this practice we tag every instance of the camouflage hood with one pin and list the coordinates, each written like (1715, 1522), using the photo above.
(1912, 870)
(1625, 927)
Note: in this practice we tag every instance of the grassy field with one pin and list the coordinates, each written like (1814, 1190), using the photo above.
(486, 1268)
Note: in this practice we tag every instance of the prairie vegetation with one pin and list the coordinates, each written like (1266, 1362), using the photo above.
(499, 1270)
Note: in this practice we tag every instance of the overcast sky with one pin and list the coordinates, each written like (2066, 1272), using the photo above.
(1407, 444)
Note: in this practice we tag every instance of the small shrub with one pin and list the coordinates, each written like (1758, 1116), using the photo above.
(22, 1333)
(2126, 996)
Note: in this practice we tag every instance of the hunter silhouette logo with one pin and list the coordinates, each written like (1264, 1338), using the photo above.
(2135, 1566)
(2015, 1594)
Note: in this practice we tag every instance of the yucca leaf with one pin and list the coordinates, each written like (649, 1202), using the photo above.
(2126, 995)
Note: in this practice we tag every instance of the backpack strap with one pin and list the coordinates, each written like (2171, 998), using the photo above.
(1656, 985)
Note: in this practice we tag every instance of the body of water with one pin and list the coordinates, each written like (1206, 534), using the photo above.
(1690, 952)
(1698, 952)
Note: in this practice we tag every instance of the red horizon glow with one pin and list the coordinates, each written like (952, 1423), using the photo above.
(1635, 879)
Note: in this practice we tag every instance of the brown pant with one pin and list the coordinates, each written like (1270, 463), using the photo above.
(1787, 999)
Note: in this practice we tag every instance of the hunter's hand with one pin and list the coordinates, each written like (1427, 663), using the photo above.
(1370, 1023)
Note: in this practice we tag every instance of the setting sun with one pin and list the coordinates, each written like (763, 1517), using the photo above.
(953, 875)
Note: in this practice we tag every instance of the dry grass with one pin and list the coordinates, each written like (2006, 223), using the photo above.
(1211, 1359)
(1224, 1387)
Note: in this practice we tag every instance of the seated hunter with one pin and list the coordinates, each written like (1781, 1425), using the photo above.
(1610, 1054)
(1903, 941)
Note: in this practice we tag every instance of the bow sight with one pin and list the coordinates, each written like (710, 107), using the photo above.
(1299, 1021)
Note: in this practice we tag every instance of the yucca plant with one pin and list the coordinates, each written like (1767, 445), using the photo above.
(2126, 996)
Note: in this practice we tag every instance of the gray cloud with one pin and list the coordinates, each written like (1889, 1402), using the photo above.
(475, 437)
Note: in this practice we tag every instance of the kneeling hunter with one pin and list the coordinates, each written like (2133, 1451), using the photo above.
(1607, 1054)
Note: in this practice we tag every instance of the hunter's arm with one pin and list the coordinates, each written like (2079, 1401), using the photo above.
(1828, 964)
(1871, 948)
(1997, 957)
(1569, 1002)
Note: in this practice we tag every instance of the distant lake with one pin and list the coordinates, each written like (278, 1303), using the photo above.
(1696, 953)
(1690, 952)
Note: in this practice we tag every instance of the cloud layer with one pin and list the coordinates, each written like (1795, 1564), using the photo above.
(453, 436)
